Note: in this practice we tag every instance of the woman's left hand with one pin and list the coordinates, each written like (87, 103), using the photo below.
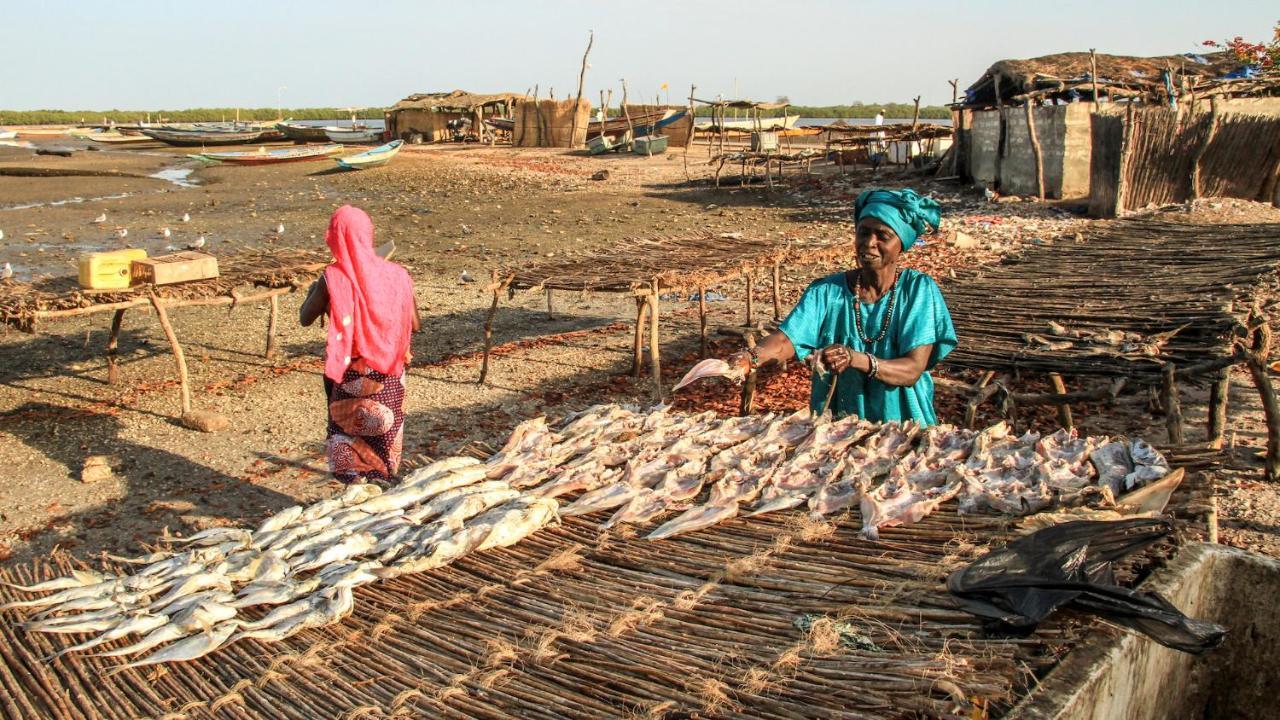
(837, 358)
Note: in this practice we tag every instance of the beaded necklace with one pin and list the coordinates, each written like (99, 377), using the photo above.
(888, 311)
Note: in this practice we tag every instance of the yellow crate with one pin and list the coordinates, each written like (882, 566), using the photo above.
(109, 270)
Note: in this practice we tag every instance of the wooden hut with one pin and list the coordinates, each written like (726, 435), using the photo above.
(424, 117)
(1025, 127)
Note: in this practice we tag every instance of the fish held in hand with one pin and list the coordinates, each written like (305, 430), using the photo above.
(711, 367)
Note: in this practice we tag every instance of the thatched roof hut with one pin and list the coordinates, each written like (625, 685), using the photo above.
(1067, 77)
(427, 114)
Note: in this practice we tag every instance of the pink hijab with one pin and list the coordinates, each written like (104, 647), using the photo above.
(370, 300)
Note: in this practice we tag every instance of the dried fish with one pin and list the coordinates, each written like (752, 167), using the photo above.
(711, 368)
(187, 649)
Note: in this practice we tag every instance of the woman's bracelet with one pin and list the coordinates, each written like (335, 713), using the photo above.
(874, 364)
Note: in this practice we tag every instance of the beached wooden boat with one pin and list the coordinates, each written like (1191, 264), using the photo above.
(353, 134)
(371, 158)
(117, 138)
(263, 156)
(302, 133)
(749, 125)
(640, 123)
(501, 123)
(202, 137)
(8, 134)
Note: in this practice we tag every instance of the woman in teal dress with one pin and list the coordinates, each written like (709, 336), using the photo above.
(878, 329)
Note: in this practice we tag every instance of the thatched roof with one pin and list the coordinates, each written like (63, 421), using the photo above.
(744, 104)
(1068, 76)
(456, 100)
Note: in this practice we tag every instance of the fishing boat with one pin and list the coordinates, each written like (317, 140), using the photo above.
(202, 136)
(302, 133)
(8, 134)
(371, 158)
(501, 123)
(749, 125)
(115, 137)
(263, 156)
(640, 123)
(354, 135)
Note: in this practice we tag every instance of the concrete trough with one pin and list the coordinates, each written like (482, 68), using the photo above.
(1126, 675)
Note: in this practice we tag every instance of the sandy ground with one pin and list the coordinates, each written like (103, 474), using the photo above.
(450, 210)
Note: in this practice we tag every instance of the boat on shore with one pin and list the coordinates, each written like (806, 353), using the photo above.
(749, 125)
(202, 136)
(8, 134)
(117, 138)
(376, 157)
(302, 133)
(263, 156)
(639, 124)
(353, 135)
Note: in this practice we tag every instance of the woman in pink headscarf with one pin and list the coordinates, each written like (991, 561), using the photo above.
(371, 312)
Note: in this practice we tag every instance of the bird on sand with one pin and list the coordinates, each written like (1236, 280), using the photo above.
(186, 217)
(100, 219)
(122, 233)
(279, 229)
(466, 229)
(199, 243)
(1, 234)
(466, 277)
(165, 232)
(6, 272)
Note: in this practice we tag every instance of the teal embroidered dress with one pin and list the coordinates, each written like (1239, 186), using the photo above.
(824, 316)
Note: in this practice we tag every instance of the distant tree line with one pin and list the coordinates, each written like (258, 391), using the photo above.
(94, 117)
(856, 110)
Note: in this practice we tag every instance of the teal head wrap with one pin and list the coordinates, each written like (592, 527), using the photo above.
(905, 211)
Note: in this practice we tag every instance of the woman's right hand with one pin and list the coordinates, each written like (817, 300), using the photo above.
(740, 360)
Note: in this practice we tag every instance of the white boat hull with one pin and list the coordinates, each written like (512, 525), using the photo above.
(349, 135)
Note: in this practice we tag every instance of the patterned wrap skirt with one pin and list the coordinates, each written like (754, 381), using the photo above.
(366, 424)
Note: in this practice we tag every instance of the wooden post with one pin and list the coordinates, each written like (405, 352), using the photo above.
(627, 113)
(955, 90)
(1256, 352)
(747, 401)
(655, 355)
(1218, 393)
(1204, 147)
(1093, 75)
(582, 76)
(777, 294)
(113, 344)
(1035, 149)
(702, 319)
(1126, 147)
(1064, 410)
(1172, 405)
(983, 392)
(272, 319)
(551, 312)
(178, 356)
(1000, 141)
(496, 287)
(689, 142)
(750, 291)
(915, 122)
(637, 354)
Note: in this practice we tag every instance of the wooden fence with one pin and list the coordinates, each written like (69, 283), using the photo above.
(1158, 156)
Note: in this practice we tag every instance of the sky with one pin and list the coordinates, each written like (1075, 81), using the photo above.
(139, 54)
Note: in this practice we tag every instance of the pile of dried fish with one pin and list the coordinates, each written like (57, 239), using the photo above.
(303, 563)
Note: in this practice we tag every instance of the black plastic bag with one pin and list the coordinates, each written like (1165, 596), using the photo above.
(1070, 565)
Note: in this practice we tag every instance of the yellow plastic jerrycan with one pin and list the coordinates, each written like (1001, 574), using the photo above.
(108, 270)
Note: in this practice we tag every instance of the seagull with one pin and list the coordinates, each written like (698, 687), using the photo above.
(280, 229)
(466, 277)
(165, 232)
(186, 217)
(169, 248)
(466, 230)
(1, 234)
(199, 243)
(122, 233)
(6, 272)
(100, 219)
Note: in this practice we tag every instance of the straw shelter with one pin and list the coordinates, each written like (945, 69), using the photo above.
(426, 115)
(1025, 128)
(551, 123)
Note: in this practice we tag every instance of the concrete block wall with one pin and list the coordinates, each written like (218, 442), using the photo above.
(1064, 132)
